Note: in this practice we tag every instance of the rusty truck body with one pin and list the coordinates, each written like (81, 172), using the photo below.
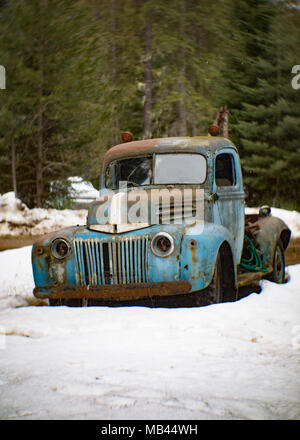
(186, 260)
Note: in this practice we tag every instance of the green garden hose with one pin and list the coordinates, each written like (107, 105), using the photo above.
(253, 263)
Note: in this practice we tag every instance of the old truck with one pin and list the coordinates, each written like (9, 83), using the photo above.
(187, 260)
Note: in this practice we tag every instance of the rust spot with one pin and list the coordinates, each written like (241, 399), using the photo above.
(38, 250)
(39, 263)
(193, 246)
(134, 147)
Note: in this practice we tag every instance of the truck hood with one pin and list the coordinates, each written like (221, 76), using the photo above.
(138, 208)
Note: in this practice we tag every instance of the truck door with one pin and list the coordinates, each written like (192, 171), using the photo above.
(229, 204)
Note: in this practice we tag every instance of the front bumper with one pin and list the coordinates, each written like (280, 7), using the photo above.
(114, 291)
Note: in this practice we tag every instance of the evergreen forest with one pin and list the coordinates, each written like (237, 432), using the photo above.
(81, 72)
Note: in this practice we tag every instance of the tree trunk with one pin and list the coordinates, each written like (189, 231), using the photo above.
(39, 163)
(225, 129)
(148, 82)
(182, 67)
(221, 121)
(114, 73)
(40, 121)
(13, 163)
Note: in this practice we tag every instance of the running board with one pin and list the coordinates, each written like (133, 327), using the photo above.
(244, 279)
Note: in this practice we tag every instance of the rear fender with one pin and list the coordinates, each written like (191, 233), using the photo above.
(270, 230)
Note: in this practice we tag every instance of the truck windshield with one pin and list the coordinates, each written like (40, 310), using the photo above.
(168, 169)
(179, 168)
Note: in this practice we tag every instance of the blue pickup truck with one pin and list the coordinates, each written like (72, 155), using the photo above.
(169, 227)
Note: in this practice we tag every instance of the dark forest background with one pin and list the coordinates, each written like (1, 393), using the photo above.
(79, 72)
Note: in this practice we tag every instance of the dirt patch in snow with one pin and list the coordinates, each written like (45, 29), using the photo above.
(292, 254)
(17, 242)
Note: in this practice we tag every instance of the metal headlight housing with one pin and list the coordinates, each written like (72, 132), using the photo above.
(264, 211)
(60, 248)
(162, 244)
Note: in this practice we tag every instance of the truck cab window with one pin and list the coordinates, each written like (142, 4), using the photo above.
(135, 171)
(225, 173)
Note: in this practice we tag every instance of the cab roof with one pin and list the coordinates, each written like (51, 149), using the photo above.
(196, 144)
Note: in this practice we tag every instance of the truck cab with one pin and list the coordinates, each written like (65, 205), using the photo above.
(169, 225)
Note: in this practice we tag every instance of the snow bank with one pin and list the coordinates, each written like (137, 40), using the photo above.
(16, 279)
(291, 218)
(226, 361)
(82, 191)
(17, 219)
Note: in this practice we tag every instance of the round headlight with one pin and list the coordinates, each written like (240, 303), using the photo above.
(60, 248)
(162, 244)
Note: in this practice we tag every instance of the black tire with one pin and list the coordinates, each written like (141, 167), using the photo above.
(214, 293)
(222, 287)
(278, 274)
(217, 284)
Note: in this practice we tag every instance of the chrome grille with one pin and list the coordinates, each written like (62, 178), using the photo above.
(119, 261)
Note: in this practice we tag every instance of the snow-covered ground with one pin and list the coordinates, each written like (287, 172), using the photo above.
(226, 361)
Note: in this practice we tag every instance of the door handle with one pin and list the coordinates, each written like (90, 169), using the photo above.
(215, 197)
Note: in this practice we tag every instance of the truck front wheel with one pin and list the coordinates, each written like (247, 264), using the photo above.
(222, 286)
(214, 293)
(216, 288)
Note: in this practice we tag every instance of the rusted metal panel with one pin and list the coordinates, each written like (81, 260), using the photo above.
(125, 257)
(163, 145)
(115, 291)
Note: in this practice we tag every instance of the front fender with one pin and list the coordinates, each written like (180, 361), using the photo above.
(47, 271)
(199, 253)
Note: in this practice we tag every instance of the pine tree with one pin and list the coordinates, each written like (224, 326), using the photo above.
(40, 109)
(263, 109)
(116, 52)
(184, 66)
